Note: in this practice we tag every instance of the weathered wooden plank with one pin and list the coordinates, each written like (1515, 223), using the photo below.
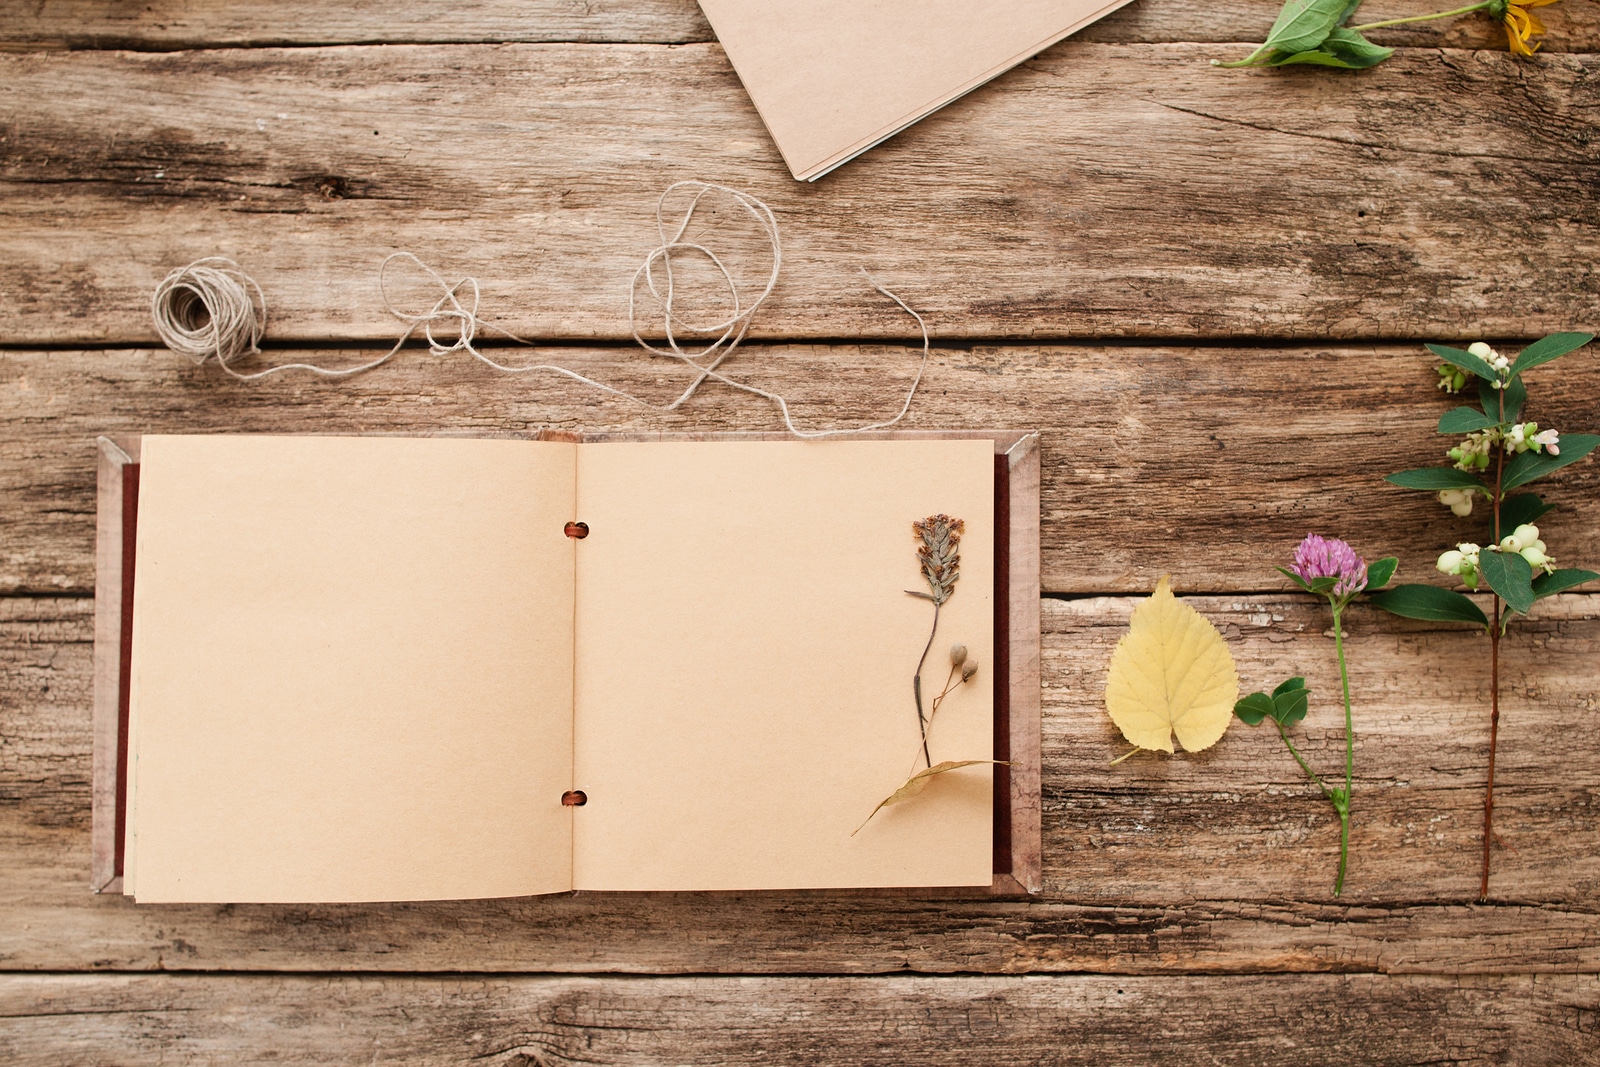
(1216, 862)
(1208, 464)
(1173, 1022)
(50, 922)
(174, 24)
(1099, 191)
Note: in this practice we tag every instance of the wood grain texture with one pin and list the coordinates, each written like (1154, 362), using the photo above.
(1099, 191)
(1208, 464)
(521, 1022)
(1216, 862)
(1574, 26)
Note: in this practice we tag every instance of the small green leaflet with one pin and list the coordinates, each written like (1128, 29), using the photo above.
(1526, 466)
(1293, 577)
(1560, 581)
(1547, 348)
(1434, 478)
(1431, 603)
(1254, 708)
(1464, 420)
(1509, 575)
(1380, 571)
(1287, 704)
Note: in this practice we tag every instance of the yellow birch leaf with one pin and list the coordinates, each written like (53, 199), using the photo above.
(1170, 674)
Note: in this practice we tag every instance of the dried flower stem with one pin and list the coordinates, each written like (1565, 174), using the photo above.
(916, 687)
(939, 538)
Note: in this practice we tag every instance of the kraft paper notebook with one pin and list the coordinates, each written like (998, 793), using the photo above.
(385, 668)
(832, 78)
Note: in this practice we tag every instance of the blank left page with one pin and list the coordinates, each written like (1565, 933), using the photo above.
(352, 669)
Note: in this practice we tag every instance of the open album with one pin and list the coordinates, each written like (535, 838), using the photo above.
(388, 668)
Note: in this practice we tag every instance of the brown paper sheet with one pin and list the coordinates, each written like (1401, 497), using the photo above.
(352, 669)
(832, 78)
(745, 650)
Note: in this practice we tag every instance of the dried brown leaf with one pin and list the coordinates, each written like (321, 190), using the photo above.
(919, 781)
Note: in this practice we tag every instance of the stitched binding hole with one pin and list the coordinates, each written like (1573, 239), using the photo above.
(580, 530)
(574, 798)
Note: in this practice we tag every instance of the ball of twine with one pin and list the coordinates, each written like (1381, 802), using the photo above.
(210, 308)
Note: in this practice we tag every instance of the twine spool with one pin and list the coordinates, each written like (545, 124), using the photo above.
(212, 308)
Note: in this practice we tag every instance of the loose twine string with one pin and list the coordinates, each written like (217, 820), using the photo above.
(211, 309)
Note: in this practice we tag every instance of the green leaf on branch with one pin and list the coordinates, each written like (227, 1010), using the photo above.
(1560, 581)
(1434, 478)
(1324, 584)
(1431, 603)
(1301, 25)
(1341, 48)
(1525, 467)
(1509, 575)
(1464, 420)
(1515, 394)
(1315, 57)
(1547, 348)
(1468, 362)
(1524, 507)
(1253, 708)
(1380, 571)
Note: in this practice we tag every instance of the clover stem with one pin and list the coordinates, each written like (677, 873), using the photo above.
(1304, 766)
(1426, 18)
(1349, 744)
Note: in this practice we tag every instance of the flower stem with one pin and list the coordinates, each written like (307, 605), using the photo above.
(1427, 18)
(1349, 746)
(1301, 760)
(916, 687)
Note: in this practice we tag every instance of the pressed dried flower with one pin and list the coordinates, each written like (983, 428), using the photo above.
(940, 538)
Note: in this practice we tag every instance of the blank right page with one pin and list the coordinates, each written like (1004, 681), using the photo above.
(745, 648)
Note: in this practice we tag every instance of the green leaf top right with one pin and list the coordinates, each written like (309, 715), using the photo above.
(1314, 32)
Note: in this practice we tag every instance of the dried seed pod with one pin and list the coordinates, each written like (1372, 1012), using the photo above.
(969, 670)
(958, 655)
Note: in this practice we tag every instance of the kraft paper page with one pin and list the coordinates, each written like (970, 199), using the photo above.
(745, 649)
(832, 78)
(352, 669)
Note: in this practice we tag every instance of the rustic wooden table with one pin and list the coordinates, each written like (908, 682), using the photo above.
(1209, 290)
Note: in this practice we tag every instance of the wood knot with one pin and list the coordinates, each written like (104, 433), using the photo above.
(333, 187)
